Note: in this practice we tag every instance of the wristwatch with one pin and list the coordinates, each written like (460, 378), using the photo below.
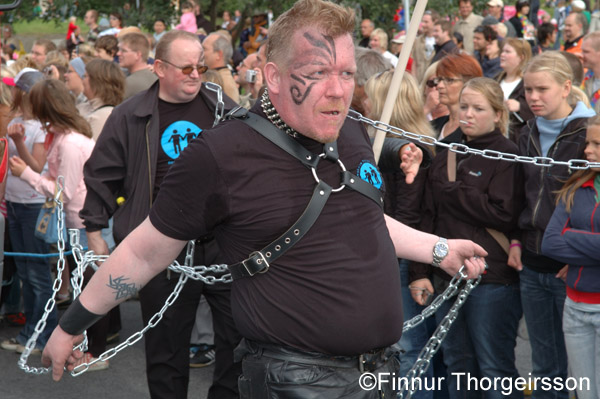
(440, 251)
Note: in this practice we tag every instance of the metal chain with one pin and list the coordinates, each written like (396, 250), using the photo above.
(435, 342)
(220, 108)
(460, 148)
(448, 293)
(41, 324)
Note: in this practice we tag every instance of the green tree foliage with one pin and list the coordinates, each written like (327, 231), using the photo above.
(380, 11)
(60, 10)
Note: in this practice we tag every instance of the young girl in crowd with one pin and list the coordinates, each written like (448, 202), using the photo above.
(515, 55)
(470, 197)
(68, 144)
(23, 205)
(573, 237)
(557, 131)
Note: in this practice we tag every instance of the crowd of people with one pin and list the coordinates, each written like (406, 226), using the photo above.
(114, 113)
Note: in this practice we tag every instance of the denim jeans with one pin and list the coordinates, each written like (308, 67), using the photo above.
(481, 342)
(543, 298)
(413, 340)
(33, 272)
(582, 338)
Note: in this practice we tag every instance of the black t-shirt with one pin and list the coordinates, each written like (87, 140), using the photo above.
(337, 290)
(179, 124)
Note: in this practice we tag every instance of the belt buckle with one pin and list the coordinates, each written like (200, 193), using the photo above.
(259, 261)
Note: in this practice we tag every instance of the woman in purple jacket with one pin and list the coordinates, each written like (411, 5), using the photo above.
(573, 237)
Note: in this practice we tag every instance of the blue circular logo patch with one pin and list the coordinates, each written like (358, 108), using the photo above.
(178, 136)
(369, 173)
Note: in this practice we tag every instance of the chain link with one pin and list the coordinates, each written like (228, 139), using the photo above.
(435, 342)
(220, 108)
(460, 148)
(41, 324)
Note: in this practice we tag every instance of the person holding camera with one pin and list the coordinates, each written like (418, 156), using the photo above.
(249, 78)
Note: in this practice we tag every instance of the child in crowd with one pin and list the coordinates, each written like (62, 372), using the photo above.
(573, 237)
(557, 131)
(188, 19)
(23, 204)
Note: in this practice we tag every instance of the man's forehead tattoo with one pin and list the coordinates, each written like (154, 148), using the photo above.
(328, 45)
(325, 48)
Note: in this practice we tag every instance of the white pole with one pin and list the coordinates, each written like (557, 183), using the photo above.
(398, 74)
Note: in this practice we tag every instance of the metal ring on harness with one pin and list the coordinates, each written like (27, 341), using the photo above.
(339, 162)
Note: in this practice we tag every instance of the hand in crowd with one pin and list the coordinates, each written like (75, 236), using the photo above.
(513, 105)
(59, 352)
(96, 243)
(514, 258)
(562, 273)
(420, 290)
(467, 253)
(432, 100)
(411, 157)
(16, 131)
(17, 166)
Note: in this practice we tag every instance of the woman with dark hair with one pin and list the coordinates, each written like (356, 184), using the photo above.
(116, 24)
(452, 73)
(104, 87)
(523, 26)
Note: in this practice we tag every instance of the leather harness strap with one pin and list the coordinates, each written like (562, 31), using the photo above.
(259, 261)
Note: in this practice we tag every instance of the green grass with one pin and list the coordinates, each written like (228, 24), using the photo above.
(40, 27)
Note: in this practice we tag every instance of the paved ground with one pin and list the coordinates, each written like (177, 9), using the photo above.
(125, 379)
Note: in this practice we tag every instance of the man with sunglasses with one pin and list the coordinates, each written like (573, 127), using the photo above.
(140, 141)
(133, 56)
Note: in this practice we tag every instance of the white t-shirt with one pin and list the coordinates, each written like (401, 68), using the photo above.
(509, 87)
(429, 46)
(391, 57)
(18, 190)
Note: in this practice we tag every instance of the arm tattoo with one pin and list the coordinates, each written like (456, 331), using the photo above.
(122, 289)
(326, 49)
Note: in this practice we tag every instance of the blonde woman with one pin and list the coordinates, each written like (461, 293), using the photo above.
(515, 54)
(402, 200)
(470, 197)
(558, 131)
(378, 41)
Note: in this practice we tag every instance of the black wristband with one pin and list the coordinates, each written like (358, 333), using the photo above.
(77, 319)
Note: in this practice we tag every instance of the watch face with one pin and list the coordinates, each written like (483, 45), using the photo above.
(441, 249)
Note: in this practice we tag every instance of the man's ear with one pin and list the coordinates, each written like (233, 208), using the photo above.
(272, 76)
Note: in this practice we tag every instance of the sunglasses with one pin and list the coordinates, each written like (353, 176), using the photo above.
(188, 69)
(447, 81)
(431, 83)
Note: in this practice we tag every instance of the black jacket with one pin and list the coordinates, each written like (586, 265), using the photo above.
(441, 51)
(486, 194)
(541, 185)
(123, 163)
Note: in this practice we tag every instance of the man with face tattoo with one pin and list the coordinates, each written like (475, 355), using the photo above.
(320, 303)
